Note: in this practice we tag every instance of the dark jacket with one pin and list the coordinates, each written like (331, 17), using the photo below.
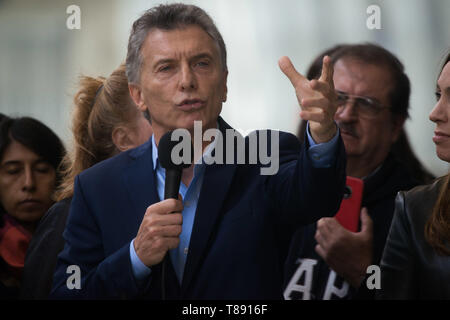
(240, 235)
(410, 268)
(380, 189)
(47, 242)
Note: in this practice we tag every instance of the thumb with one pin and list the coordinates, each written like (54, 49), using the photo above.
(289, 70)
(366, 221)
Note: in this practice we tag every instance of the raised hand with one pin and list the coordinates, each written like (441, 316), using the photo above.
(317, 98)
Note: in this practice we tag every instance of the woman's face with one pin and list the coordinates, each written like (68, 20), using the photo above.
(441, 115)
(26, 184)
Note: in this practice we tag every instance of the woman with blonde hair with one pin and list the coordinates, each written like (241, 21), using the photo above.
(416, 259)
(105, 122)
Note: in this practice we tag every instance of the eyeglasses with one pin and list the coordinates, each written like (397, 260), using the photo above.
(364, 106)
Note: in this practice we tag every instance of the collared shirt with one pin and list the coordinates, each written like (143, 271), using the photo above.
(322, 156)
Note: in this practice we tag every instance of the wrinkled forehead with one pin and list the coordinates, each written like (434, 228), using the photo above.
(358, 77)
(171, 43)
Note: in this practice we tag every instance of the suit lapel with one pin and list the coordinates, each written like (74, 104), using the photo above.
(140, 181)
(216, 183)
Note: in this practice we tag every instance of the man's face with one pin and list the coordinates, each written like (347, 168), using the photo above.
(182, 79)
(367, 140)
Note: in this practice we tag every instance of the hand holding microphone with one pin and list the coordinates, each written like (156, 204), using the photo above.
(161, 226)
(159, 231)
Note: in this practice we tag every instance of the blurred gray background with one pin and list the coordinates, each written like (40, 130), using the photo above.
(41, 59)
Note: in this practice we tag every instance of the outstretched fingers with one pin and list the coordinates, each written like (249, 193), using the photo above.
(289, 70)
(327, 71)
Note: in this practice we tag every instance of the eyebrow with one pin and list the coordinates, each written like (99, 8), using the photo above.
(202, 55)
(195, 57)
(18, 162)
(163, 61)
(10, 163)
(367, 97)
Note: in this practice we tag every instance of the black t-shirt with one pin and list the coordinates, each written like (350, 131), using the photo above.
(308, 277)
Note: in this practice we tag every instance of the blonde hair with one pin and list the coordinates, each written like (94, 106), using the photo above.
(100, 105)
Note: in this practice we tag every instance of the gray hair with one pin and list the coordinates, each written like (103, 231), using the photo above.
(168, 17)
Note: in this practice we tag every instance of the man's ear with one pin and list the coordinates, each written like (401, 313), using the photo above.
(397, 126)
(136, 95)
(121, 139)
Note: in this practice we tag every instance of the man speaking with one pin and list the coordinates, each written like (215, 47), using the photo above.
(227, 235)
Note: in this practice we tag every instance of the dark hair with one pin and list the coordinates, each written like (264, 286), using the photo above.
(402, 151)
(315, 68)
(376, 55)
(168, 17)
(2, 211)
(34, 135)
(437, 228)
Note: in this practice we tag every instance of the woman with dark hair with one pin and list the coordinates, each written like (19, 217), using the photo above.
(416, 259)
(105, 122)
(30, 154)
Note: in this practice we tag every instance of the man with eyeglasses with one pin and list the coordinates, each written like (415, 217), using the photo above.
(325, 260)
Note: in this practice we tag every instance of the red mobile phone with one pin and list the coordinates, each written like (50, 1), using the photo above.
(348, 214)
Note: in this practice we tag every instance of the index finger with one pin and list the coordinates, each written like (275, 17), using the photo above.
(289, 70)
(327, 71)
(165, 206)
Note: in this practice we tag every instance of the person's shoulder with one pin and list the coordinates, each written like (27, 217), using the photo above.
(57, 209)
(419, 201)
(54, 217)
(431, 190)
(116, 163)
(285, 140)
(285, 144)
(289, 141)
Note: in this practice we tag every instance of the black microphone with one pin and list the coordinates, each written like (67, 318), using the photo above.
(172, 182)
(173, 170)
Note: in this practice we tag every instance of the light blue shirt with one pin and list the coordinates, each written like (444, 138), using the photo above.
(322, 156)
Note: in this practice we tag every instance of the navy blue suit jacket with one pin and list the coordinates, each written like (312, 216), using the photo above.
(240, 236)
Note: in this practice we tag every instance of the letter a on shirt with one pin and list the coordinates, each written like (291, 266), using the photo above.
(306, 267)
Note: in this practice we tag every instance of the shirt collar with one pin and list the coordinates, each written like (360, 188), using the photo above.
(206, 154)
(154, 152)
